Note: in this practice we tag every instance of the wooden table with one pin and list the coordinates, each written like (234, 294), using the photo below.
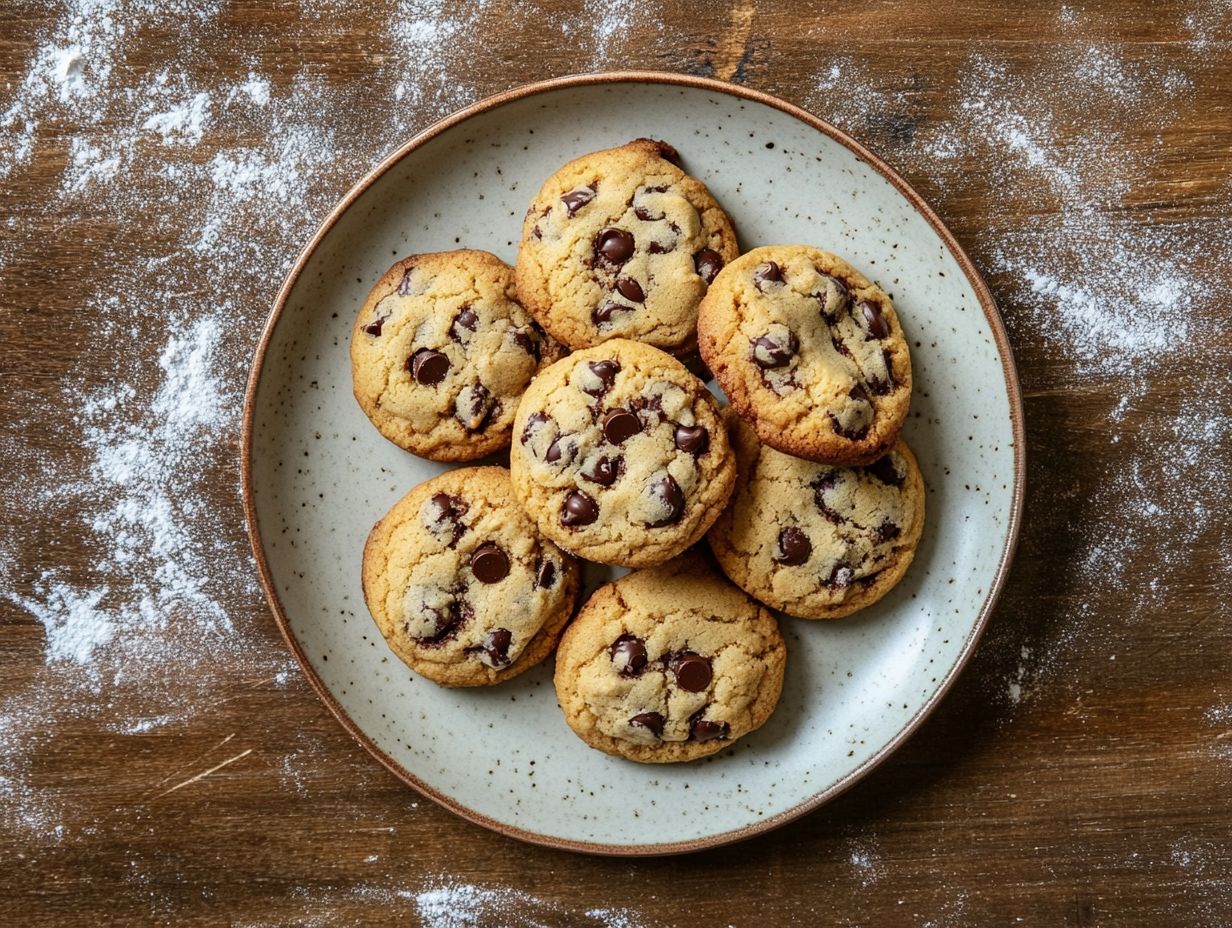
(1079, 772)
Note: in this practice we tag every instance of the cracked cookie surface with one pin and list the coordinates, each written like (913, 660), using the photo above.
(814, 540)
(669, 664)
(620, 455)
(441, 352)
(463, 588)
(622, 243)
(809, 352)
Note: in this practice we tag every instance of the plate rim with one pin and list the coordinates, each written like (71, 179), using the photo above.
(1017, 425)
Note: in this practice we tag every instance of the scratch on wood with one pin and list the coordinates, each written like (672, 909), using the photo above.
(731, 50)
(205, 773)
(195, 760)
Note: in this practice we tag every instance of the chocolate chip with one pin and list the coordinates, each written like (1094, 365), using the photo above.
(496, 647)
(708, 263)
(651, 721)
(820, 486)
(630, 289)
(374, 327)
(603, 313)
(527, 343)
(706, 730)
(841, 577)
(692, 439)
(474, 407)
(883, 469)
(534, 422)
(628, 653)
(620, 425)
(646, 215)
(463, 320)
(856, 434)
(451, 509)
(665, 151)
(859, 394)
(615, 246)
(576, 199)
(558, 448)
(692, 672)
(768, 273)
(668, 492)
(661, 248)
(794, 548)
(536, 232)
(839, 346)
(771, 351)
(605, 471)
(886, 531)
(545, 574)
(447, 621)
(404, 285)
(606, 371)
(489, 563)
(878, 327)
(428, 367)
(579, 509)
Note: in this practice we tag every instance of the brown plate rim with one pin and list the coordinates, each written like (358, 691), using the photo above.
(1013, 388)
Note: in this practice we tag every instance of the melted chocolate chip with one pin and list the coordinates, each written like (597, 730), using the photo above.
(374, 327)
(820, 486)
(856, 434)
(665, 151)
(692, 672)
(840, 577)
(615, 246)
(839, 345)
(628, 653)
(661, 248)
(452, 509)
(527, 343)
(606, 371)
(646, 215)
(706, 730)
(620, 425)
(859, 394)
(496, 647)
(489, 563)
(651, 721)
(545, 574)
(464, 320)
(768, 273)
(404, 285)
(579, 509)
(474, 407)
(630, 289)
(771, 351)
(576, 199)
(793, 548)
(883, 469)
(694, 440)
(428, 367)
(886, 531)
(602, 314)
(558, 448)
(878, 327)
(708, 263)
(667, 490)
(533, 423)
(605, 471)
(447, 622)
(536, 232)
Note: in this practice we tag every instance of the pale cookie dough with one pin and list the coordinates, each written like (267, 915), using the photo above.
(817, 541)
(809, 352)
(622, 244)
(461, 585)
(620, 455)
(669, 664)
(441, 352)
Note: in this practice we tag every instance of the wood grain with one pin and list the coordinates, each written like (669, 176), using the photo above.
(1100, 799)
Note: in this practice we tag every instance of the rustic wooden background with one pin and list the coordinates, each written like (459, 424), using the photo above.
(1096, 794)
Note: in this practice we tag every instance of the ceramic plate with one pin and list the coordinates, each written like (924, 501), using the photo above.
(317, 475)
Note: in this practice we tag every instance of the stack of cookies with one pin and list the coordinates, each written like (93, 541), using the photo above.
(581, 362)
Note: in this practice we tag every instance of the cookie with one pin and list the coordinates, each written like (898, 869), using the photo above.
(669, 664)
(815, 540)
(461, 585)
(809, 352)
(441, 353)
(620, 455)
(622, 244)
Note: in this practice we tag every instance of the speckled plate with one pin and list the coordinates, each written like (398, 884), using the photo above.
(317, 474)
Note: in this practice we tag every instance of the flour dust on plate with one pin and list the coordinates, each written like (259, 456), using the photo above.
(317, 475)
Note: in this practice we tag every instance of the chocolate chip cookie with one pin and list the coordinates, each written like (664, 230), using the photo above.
(622, 243)
(809, 352)
(461, 585)
(441, 353)
(814, 540)
(620, 455)
(669, 664)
